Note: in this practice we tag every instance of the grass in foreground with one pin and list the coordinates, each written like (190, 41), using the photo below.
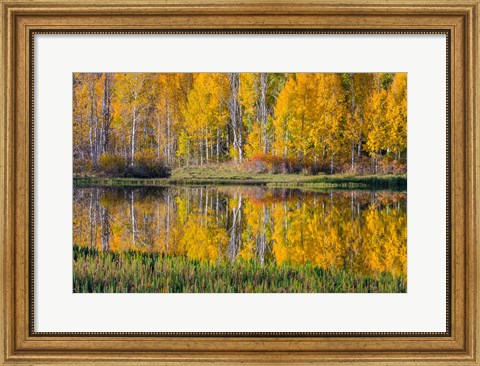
(228, 174)
(102, 272)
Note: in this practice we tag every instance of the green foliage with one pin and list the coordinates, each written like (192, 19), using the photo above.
(126, 272)
(386, 80)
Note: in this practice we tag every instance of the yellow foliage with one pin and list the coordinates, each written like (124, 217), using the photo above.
(361, 231)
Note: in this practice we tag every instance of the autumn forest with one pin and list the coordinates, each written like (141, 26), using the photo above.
(279, 123)
(239, 182)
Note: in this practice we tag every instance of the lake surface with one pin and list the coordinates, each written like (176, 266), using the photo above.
(364, 232)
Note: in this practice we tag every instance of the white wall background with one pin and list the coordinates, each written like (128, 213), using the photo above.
(422, 309)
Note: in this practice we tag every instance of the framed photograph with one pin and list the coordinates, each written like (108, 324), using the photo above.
(240, 183)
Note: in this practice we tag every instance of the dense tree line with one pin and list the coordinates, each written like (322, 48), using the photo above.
(141, 123)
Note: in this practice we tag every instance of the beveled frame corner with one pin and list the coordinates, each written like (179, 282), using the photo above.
(20, 21)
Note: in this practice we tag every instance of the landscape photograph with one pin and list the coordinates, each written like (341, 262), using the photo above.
(239, 182)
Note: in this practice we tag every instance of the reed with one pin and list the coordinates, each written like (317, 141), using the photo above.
(134, 272)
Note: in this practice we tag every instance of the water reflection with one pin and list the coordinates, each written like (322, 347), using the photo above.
(364, 231)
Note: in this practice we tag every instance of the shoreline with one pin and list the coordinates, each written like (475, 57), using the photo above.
(335, 181)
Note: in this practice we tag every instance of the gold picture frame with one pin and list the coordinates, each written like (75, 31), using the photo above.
(21, 20)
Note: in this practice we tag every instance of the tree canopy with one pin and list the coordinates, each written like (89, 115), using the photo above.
(314, 122)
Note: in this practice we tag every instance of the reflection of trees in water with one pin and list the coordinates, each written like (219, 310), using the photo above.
(105, 227)
(235, 229)
(362, 230)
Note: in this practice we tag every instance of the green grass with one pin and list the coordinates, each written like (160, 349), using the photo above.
(229, 174)
(102, 272)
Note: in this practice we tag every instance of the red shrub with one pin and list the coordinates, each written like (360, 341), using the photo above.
(268, 163)
(386, 166)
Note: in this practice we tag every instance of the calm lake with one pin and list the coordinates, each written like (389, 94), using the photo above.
(364, 232)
